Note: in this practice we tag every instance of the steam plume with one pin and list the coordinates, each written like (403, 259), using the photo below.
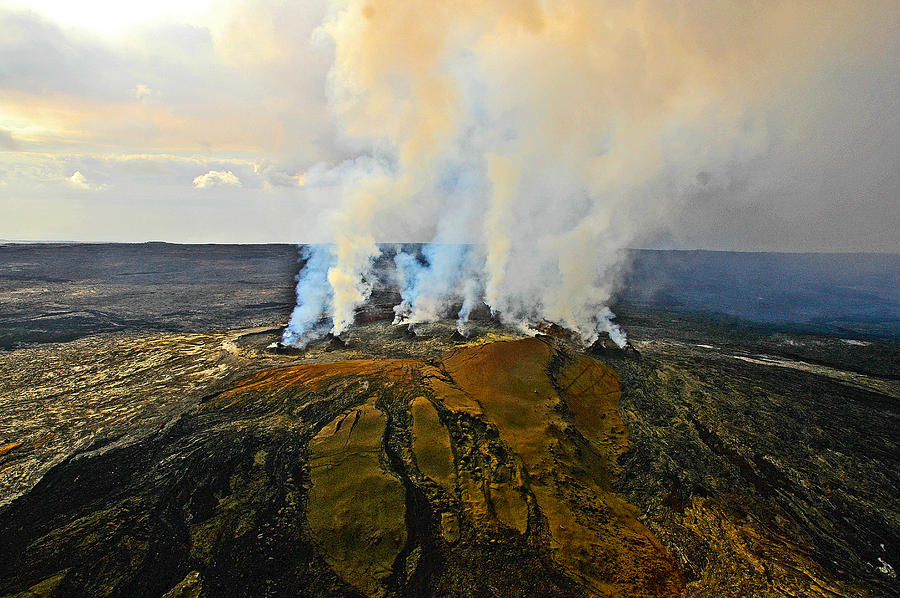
(549, 135)
(314, 297)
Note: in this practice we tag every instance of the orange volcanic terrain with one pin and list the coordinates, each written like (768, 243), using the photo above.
(539, 469)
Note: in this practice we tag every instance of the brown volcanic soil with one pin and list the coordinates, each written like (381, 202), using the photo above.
(549, 407)
(542, 482)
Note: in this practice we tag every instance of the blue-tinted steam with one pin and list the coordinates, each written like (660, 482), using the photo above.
(473, 290)
(441, 276)
(447, 272)
(409, 268)
(315, 297)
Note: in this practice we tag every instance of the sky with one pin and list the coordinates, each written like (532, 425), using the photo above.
(739, 126)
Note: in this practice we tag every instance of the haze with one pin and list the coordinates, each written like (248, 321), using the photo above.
(765, 126)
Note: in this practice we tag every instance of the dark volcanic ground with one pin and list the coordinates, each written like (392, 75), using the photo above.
(162, 451)
(57, 292)
(51, 292)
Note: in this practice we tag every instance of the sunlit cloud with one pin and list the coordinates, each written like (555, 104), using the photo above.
(217, 178)
(80, 182)
(142, 92)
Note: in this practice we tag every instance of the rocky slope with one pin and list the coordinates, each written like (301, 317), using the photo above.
(398, 465)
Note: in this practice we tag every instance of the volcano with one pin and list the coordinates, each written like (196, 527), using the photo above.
(335, 342)
(403, 331)
(458, 337)
(723, 461)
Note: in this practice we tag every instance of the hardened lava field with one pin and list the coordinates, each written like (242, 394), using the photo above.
(705, 461)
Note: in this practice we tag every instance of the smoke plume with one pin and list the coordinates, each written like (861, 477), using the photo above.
(529, 142)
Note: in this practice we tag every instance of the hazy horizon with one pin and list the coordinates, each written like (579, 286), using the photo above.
(390, 243)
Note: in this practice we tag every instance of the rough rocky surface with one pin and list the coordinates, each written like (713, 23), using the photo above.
(777, 479)
(712, 460)
(499, 467)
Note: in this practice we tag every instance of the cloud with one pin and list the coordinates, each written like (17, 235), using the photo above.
(142, 92)
(757, 126)
(277, 177)
(7, 141)
(217, 178)
(218, 84)
(79, 181)
(284, 179)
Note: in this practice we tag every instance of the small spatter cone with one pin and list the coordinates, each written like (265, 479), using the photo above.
(605, 347)
(458, 337)
(403, 331)
(279, 348)
(335, 342)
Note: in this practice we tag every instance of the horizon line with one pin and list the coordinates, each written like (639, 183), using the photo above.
(207, 243)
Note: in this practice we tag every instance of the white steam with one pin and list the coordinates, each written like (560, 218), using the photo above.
(529, 142)
(314, 297)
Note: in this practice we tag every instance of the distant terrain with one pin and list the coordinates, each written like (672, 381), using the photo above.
(844, 294)
(152, 443)
(54, 292)
(51, 292)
